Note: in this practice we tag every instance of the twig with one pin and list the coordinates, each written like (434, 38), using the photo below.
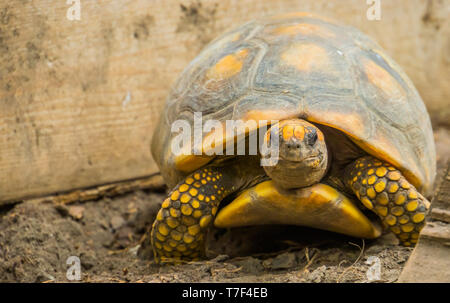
(356, 261)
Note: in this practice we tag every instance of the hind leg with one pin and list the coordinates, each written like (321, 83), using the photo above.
(383, 189)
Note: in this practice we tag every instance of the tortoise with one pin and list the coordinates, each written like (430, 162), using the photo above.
(355, 145)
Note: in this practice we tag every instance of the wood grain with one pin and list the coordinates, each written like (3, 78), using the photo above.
(80, 99)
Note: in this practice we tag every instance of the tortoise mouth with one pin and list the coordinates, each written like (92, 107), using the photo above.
(309, 160)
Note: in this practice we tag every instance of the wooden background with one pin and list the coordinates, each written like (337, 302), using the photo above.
(79, 99)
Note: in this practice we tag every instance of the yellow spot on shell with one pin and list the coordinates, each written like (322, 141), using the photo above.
(197, 184)
(158, 245)
(214, 211)
(197, 176)
(304, 29)
(204, 222)
(381, 171)
(189, 180)
(201, 197)
(207, 199)
(185, 198)
(364, 181)
(305, 56)
(228, 66)
(412, 206)
(419, 217)
(197, 213)
(383, 80)
(370, 171)
(208, 178)
(183, 188)
(371, 180)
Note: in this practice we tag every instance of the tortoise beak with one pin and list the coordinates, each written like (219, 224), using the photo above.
(318, 206)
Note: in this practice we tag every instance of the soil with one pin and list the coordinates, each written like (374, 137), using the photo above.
(108, 237)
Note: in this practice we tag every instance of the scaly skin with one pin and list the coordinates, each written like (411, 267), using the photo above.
(383, 189)
(179, 229)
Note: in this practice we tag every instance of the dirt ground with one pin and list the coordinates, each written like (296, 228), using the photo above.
(107, 235)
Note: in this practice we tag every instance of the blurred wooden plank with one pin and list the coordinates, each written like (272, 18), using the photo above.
(80, 99)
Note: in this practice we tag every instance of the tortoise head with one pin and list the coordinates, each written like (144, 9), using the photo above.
(302, 154)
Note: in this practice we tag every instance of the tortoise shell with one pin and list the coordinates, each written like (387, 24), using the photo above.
(306, 66)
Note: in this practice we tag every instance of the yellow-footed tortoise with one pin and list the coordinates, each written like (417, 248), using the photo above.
(353, 135)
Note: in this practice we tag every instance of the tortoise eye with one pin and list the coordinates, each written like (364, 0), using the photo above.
(311, 137)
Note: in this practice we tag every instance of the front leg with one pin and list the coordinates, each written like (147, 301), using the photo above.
(178, 231)
(383, 189)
